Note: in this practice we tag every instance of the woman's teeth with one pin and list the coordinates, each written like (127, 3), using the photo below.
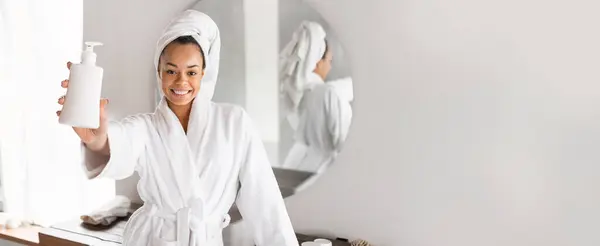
(180, 92)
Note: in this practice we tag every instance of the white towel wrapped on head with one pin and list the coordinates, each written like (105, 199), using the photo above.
(205, 31)
(297, 62)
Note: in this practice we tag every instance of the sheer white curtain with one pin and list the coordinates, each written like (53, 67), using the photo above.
(41, 174)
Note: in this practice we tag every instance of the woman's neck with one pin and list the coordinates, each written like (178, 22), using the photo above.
(318, 76)
(183, 114)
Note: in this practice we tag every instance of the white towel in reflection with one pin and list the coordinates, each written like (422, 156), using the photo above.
(297, 62)
(109, 212)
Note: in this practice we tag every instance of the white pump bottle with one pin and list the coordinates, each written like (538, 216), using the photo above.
(82, 102)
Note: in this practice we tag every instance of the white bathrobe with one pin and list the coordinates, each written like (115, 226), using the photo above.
(188, 182)
(325, 115)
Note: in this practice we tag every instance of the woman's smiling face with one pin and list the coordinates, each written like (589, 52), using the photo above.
(181, 70)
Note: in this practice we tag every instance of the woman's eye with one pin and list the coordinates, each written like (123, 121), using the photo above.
(192, 73)
(170, 72)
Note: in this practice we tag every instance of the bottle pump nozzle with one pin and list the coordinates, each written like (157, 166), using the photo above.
(88, 56)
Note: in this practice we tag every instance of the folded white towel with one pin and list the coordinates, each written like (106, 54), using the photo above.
(10, 221)
(109, 212)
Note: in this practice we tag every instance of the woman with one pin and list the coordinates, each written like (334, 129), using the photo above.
(317, 111)
(194, 157)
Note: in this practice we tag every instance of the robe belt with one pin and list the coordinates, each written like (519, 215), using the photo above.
(188, 219)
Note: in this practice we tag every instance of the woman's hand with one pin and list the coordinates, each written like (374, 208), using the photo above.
(94, 139)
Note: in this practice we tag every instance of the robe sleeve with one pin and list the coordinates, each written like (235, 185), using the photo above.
(259, 199)
(126, 139)
(339, 117)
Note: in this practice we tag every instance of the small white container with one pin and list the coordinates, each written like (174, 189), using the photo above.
(82, 102)
(323, 242)
(310, 244)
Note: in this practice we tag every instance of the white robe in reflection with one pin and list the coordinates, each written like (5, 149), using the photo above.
(324, 120)
(344, 87)
(189, 182)
(297, 62)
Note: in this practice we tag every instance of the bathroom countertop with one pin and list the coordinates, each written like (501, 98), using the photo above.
(287, 179)
(23, 235)
(74, 233)
(305, 238)
(56, 237)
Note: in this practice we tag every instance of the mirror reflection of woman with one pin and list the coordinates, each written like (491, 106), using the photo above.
(194, 157)
(319, 114)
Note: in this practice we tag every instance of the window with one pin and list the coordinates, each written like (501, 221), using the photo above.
(40, 161)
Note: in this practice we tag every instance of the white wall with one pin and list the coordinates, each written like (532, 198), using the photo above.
(477, 123)
(262, 83)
